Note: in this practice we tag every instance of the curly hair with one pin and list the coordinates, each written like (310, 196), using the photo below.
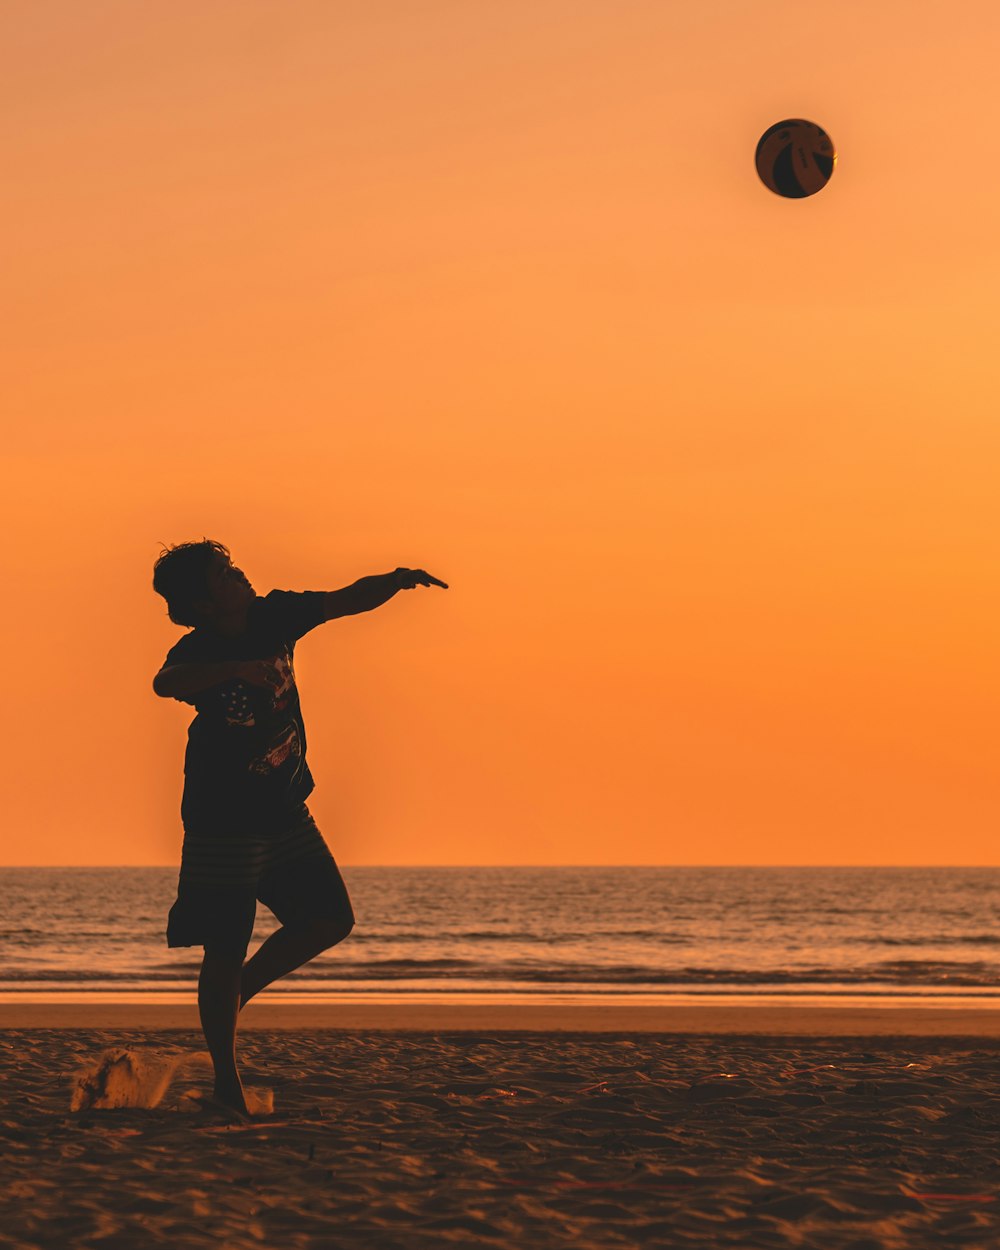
(179, 575)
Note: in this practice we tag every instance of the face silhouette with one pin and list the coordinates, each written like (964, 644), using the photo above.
(229, 589)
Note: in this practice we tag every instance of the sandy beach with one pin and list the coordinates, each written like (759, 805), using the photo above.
(468, 1135)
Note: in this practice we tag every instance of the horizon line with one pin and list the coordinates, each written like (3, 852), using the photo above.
(176, 866)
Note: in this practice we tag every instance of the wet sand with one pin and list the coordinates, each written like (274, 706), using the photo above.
(270, 1013)
(497, 1136)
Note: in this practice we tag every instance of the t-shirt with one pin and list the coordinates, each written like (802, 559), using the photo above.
(245, 766)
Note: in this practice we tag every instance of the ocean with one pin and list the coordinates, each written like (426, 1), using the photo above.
(651, 935)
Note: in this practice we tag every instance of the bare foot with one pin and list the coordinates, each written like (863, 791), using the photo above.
(212, 1102)
(231, 1096)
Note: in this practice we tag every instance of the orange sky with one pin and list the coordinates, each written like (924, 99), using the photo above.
(492, 289)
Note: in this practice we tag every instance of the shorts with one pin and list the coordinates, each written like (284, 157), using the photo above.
(291, 871)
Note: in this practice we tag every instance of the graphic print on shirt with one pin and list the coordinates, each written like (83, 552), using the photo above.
(237, 706)
(237, 699)
(286, 742)
(284, 745)
(286, 684)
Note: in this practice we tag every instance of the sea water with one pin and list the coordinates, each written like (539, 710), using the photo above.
(542, 934)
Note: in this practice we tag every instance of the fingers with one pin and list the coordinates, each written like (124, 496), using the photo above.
(408, 578)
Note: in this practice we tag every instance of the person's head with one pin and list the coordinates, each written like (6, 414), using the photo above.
(200, 583)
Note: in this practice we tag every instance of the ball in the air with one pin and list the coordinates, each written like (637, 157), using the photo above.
(795, 158)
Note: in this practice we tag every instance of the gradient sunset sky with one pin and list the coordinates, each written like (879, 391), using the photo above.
(491, 288)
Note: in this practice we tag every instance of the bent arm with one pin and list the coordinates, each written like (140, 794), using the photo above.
(182, 681)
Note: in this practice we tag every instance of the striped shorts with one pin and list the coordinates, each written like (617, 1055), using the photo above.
(222, 877)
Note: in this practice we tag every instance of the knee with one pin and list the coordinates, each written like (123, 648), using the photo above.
(331, 930)
(221, 965)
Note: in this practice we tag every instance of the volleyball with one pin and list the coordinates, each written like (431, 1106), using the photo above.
(795, 158)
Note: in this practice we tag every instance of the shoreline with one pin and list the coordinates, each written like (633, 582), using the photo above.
(705, 1020)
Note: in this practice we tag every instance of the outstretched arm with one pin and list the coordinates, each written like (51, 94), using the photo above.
(372, 592)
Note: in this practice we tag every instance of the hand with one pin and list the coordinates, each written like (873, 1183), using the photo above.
(259, 673)
(406, 579)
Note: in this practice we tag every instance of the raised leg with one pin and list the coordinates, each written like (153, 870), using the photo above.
(218, 1006)
(287, 949)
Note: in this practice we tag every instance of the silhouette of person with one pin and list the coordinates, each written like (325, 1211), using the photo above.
(248, 834)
